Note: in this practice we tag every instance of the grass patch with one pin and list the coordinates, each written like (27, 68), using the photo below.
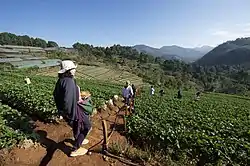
(147, 156)
(126, 150)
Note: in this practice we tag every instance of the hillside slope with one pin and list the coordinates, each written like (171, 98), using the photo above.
(229, 53)
(186, 54)
(175, 52)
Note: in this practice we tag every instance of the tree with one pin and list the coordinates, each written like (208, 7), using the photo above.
(52, 44)
(12, 39)
(77, 46)
(39, 43)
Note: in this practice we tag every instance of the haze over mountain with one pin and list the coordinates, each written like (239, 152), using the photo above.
(204, 49)
(175, 52)
(229, 53)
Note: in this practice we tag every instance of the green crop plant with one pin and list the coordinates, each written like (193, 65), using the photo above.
(211, 130)
(14, 127)
(37, 99)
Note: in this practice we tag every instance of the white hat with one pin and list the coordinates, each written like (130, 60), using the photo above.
(128, 82)
(66, 65)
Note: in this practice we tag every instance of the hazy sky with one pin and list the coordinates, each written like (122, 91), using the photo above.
(187, 23)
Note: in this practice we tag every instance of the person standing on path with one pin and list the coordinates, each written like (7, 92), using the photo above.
(127, 93)
(66, 96)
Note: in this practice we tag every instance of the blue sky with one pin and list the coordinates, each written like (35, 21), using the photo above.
(187, 23)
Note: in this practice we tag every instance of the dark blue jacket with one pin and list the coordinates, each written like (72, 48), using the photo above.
(66, 96)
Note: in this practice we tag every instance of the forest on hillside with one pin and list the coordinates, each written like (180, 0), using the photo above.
(232, 79)
(235, 52)
(12, 39)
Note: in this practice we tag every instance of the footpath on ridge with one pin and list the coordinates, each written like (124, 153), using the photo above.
(56, 139)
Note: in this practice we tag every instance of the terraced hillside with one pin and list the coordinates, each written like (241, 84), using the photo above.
(25, 57)
(100, 73)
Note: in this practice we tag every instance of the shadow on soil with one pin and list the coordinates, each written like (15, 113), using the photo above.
(119, 128)
(52, 146)
(118, 123)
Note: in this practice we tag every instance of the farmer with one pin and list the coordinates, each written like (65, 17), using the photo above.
(197, 95)
(133, 98)
(152, 90)
(127, 93)
(134, 90)
(179, 94)
(66, 95)
(161, 92)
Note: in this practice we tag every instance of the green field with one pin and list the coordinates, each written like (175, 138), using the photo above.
(215, 129)
(36, 100)
(14, 127)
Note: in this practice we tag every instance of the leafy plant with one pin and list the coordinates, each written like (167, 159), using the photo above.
(214, 129)
(14, 127)
(37, 98)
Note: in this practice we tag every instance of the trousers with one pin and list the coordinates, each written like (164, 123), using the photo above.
(81, 129)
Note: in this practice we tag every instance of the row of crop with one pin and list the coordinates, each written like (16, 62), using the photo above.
(210, 130)
(14, 127)
(37, 98)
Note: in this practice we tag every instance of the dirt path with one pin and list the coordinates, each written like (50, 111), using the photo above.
(55, 143)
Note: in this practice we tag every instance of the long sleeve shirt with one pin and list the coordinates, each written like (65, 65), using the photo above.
(127, 92)
(66, 96)
(152, 91)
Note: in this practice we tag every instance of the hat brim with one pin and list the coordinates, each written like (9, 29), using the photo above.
(61, 71)
(64, 70)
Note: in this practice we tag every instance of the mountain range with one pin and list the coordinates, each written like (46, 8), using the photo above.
(175, 52)
(234, 52)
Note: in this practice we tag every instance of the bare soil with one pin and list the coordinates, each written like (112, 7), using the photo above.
(53, 148)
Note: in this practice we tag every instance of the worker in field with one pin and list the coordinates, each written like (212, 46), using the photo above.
(127, 93)
(133, 98)
(161, 92)
(179, 94)
(66, 95)
(134, 90)
(197, 95)
(152, 90)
